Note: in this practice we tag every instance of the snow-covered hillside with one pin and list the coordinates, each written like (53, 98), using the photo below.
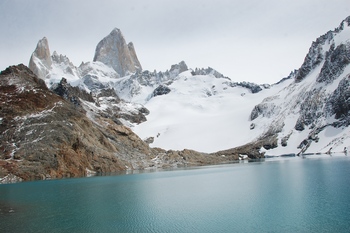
(311, 115)
(203, 113)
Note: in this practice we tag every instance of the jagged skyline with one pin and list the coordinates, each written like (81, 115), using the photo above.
(230, 36)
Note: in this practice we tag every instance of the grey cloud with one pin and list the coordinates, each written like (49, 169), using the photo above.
(230, 35)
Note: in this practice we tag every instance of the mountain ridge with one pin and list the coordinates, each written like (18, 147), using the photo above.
(44, 135)
(317, 108)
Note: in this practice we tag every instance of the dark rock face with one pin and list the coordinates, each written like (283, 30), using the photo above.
(257, 110)
(263, 109)
(313, 105)
(254, 88)
(335, 59)
(339, 102)
(311, 108)
(314, 57)
(71, 94)
(300, 126)
(335, 62)
(161, 90)
(109, 92)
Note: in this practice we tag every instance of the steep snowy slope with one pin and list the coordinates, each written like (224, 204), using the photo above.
(311, 115)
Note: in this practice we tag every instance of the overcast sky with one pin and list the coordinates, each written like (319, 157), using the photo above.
(253, 40)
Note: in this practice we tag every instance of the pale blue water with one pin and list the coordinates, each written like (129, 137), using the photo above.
(275, 195)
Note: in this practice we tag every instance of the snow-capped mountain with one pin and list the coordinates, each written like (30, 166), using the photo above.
(201, 109)
(311, 115)
(114, 52)
(113, 55)
(113, 59)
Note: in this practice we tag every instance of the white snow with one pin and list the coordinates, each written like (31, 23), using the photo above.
(202, 113)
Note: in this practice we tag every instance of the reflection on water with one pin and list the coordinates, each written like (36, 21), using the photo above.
(269, 195)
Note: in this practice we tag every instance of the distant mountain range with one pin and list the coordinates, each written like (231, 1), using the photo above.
(60, 120)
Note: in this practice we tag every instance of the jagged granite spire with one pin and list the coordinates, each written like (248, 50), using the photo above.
(114, 52)
(134, 56)
(40, 62)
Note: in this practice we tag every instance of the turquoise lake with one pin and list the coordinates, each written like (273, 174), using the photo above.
(310, 194)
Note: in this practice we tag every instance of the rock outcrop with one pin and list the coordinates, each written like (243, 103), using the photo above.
(113, 51)
(176, 69)
(40, 62)
(161, 90)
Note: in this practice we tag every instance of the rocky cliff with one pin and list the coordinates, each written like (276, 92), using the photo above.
(40, 62)
(114, 52)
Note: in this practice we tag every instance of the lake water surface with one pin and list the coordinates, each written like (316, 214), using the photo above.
(274, 195)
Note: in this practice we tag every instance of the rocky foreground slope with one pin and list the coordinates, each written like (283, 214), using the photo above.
(56, 133)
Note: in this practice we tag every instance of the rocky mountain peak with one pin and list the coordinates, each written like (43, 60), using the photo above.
(347, 21)
(113, 51)
(178, 68)
(42, 51)
(40, 62)
(134, 56)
